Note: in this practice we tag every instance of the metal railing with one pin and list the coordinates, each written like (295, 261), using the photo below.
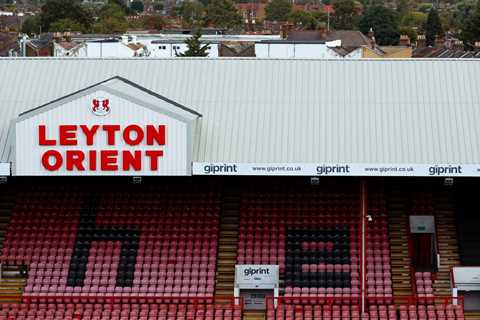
(370, 300)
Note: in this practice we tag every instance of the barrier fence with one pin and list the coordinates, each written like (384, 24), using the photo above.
(371, 300)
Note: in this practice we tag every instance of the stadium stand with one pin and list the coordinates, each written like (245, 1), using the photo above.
(75, 248)
(81, 246)
(153, 252)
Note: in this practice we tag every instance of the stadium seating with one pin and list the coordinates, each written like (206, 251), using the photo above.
(146, 243)
(424, 288)
(374, 312)
(379, 282)
(313, 236)
(431, 312)
(127, 311)
(110, 254)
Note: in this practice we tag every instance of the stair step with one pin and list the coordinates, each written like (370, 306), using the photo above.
(254, 315)
(228, 244)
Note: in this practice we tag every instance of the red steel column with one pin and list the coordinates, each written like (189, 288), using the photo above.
(363, 242)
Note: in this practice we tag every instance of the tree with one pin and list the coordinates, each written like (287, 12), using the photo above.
(410, 32)
(121, 3)
(414, 19)
(55, 10)
(191, 11)
(307, 20)
(425, 7)
(433, 27)
(223, 14)
(384, 23)
(345, 15)
(32, 25)
(278, 10)
(471, 28)
(66, 25)
(153, 22)
(195, 47)
(137, 6)
(463, 10)
(111, 18)
(303, 19)
(403, 7)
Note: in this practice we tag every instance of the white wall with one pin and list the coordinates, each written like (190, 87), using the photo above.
(262, 50)
(79, 111)
(300, 51)
(167, 50)
(108, 50)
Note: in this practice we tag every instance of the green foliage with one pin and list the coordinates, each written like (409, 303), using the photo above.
(433, 27)
(471, 28)
(153, 22)
(307, 20)
(31, 25)
(345, 16)
(55, 10)
(195, 47)
(384, 23)
(111, 18)
(66, 25)
(121, 3)
(191, 11)
(425, 7)
(223, 14)
(410, 32)
(414, 19)
(137, 6)
(463, 10)
(403, 7)
(278, 10)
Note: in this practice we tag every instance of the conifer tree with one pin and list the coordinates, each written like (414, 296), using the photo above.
(195, 47)
(433, 27)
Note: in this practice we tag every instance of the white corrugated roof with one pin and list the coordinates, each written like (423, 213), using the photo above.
(255, 110)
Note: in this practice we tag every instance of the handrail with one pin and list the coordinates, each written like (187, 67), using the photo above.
(112, 299)
(405, 300)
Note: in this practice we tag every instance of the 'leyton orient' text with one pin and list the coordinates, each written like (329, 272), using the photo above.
(84, 158)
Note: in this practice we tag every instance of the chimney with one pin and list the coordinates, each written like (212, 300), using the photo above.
(371, 36)
(283, 31)
(457, 45)
(421, 41)
(323, 32)
(476, 47)
(57, 36)
(68, 36)
(404, 40)
(439, 42)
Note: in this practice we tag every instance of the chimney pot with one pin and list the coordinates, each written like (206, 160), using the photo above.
(421, 41)
(404, 40)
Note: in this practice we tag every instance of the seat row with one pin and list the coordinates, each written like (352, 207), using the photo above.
(120, 312)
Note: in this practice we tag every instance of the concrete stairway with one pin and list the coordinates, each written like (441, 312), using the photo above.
(12, 285)
(228, 243)
(398, 235)
(472, 315)
(254, 315)
(446, 239)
